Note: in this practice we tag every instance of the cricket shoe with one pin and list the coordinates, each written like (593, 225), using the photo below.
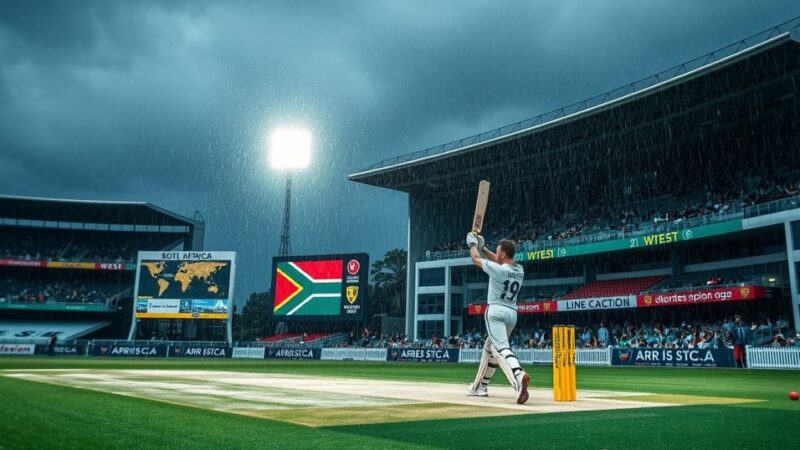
(523, 379)
(482, 391)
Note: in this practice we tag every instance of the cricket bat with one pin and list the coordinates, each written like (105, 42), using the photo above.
(480, 209)
(480, 206)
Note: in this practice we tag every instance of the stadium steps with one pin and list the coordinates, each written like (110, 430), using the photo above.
(611, 288)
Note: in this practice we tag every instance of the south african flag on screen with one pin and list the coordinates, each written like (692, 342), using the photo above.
(308, 288)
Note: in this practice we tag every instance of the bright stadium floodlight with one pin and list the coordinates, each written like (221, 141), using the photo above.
(290, 148)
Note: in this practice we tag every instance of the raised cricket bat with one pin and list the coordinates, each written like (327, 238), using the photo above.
(480, 207)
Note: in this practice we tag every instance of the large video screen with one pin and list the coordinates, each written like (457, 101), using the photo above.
(321, 286)
(184, 285)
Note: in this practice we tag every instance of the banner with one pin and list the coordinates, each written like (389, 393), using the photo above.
(522, 308)
(17, 349)
(129, 350)
(670, 357)
(83, 265)
(595, 304)
(293, 353)
(192, 351)
(650, 240)
(61, 350)
(21, 263)
(95, 307)
(711, 295)
(70, 265)
(115, 266)
(423, 354)
(678, 298)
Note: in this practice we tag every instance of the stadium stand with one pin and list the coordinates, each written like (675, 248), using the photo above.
(703, 280)
(39, 332)
(600, 223)
(77, 245)
(70, 262)
(309, 338)
(279, 337)
(611, 288)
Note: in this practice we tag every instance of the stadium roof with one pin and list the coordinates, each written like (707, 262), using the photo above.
(667, 94)
(91, 211)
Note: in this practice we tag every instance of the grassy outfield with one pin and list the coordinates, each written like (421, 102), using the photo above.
(44, 416)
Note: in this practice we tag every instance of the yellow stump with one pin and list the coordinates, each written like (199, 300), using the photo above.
(564, 381)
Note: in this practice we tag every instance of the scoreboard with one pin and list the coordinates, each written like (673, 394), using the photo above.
(320, 286)
(184, 285)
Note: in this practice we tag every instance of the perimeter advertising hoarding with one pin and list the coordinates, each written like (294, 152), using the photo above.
(293, 353)
(333, 287)
(129, 350)
(17, 349)
(62, 350)
(450, 355)
(672, 357)
(184, 285)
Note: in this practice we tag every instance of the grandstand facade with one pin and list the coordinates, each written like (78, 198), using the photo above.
(67, 267)
(675, 196)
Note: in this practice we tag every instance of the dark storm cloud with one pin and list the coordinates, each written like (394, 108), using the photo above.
(170, 102)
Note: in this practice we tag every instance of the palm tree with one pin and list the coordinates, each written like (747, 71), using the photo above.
(389, 282)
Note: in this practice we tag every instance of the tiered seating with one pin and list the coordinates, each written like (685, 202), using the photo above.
(611, 288)
(50, 243)
(701, 280)
(280, 337)
(294, 338)
(57, 290)
(311, 337)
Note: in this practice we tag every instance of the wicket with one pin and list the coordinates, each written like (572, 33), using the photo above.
(564, 383)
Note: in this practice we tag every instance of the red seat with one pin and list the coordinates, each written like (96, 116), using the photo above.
(612, 288)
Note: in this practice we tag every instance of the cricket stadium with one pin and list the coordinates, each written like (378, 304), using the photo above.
(641, 248)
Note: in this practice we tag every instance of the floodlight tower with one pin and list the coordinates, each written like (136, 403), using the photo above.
(290, 149)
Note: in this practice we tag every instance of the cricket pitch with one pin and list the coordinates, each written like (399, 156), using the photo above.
(329, 401)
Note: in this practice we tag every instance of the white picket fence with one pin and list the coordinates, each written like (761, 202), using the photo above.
(583, 356)
(248, 352)
(355, 354)
(773, 357)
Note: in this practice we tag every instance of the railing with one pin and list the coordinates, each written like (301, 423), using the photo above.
(792, 25)
(583, 356)
(657, 290)
(645, 228)
(771, 207)
(773, 357)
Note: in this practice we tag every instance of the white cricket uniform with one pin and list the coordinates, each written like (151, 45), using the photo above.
(505, 282)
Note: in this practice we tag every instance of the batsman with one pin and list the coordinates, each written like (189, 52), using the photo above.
(505, 281)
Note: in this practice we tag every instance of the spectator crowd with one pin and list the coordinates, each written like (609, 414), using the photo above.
(57, 291)
(30, 243)
(601, 222)
(726, 333)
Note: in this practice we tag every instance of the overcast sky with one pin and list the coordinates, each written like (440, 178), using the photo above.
(171, 102)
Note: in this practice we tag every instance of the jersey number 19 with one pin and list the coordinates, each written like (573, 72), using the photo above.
(510, 290)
